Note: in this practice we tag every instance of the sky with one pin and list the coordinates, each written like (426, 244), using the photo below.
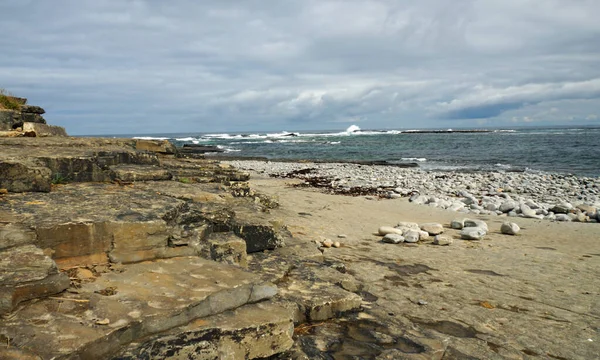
(153, 66)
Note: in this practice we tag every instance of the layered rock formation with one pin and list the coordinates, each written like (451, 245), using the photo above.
(118, 248)
(26, 120)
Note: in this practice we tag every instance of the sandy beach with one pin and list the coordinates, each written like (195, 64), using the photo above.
(534, 295)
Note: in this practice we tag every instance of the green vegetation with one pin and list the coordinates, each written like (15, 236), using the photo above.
(8, 101)
(185, 180)
(58, 178)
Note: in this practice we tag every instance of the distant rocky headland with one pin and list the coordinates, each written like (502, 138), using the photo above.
(17, 118)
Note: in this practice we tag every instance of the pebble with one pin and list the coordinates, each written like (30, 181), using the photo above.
(342, 236)
(407, 224)
(508, 206)
(457, 224)
(442, 240)
(327, 243)
(423, 235)
(393, 239)
(472, 233)
(562, 217)
(412, 236)
(486, 192)
(432, 228)
(476, 223)
(509, 228)
(562, 208)
(103, 322)
(337, 244)
(384, 230)
(84, 274)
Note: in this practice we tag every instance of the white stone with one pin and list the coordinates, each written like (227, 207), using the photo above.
(423, 235)
(510, 228)
(457, 224)
(442, 240)
(475, 223)
(412, 236)
(384, 230)
(432, 228)
(408, 224)
(562, 217)
(456, 206)
(393, 239)
(508, 206)
(472, 233)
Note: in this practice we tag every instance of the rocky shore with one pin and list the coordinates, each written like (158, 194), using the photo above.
(555, 197)
(133, 249)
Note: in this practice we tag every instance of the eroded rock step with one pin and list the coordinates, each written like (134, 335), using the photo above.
(84, 224)
(100, 160)
(249, 332)
(145, 299)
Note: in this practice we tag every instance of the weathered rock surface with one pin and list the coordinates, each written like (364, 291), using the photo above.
(142, 300)
(35, 164)
(131, 252)
(249, 332)
(25, 274)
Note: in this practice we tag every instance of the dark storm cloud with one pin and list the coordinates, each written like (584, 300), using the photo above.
(114, 66)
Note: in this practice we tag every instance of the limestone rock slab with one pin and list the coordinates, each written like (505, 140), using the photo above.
(119, 308)
(25, 274)
(249, 332)
(38, 129)
(24, 175)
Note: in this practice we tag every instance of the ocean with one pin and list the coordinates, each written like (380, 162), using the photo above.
(557, 150)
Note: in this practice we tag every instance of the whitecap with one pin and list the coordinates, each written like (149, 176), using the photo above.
(352, 129)
(150, 138)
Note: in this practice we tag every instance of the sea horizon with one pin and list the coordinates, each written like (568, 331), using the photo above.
(562, 149)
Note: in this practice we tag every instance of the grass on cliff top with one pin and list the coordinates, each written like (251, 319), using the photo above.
(8, 101)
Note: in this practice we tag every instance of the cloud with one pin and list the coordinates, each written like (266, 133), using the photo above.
(112, 66)
(490, 102)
